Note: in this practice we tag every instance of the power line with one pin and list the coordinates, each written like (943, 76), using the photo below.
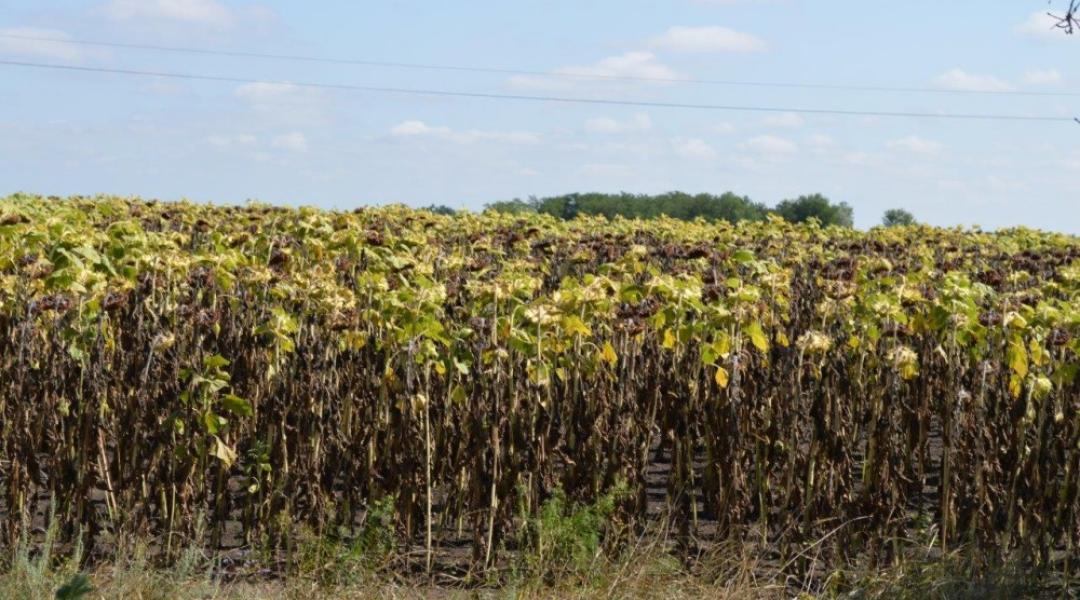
(534, 73)
(531, 98)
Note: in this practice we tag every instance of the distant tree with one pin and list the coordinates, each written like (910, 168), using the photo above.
(514, 206)
(570, 208)
(440, 209)
(679, 205)
(816, 206)
(897, 217)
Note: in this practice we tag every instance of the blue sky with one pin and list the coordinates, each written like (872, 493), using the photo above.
(67, 133)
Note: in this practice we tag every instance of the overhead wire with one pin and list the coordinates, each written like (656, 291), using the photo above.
(536, 98)
(559, 74)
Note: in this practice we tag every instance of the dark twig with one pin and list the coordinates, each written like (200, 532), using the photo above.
(1070, 21)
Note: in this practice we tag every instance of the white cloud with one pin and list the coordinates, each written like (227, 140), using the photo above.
(771, 145)
(981, 190)
(508, 137)
(723, 128)
(287, 106)
(631, 64)
(1072, 163)
(960, 80)
(29, 47)
(820, 142)
(1043, 77)
(785, 120)
(231, 141)
(409, 128)
(266, 92)
(1042, 25)
(639, 122)
(282, 106)
(416, 129)
(693, 148)
(639, 65)
(603, 125)
(710, 39)
(251, 146)
(999, 183)
(204, 13)
(955, 186)
(861, 159)
(166, 87)
(293, 142)
(916, 145)
(605, 170)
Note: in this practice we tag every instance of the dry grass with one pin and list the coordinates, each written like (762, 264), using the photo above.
(647, 580)
(647, 570)
(646, 567)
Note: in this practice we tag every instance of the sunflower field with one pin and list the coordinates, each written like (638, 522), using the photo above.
(254, 368)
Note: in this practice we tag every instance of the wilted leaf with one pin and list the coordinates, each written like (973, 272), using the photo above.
(757, 336)
(237, 405)
(1017, 357)
(721, 377)
(608, 354)
(669, 339)
(215, 361)
(742, 256)
(575, 326)
(223, 452)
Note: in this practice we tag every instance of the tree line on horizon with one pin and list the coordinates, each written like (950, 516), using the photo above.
(728, 206)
